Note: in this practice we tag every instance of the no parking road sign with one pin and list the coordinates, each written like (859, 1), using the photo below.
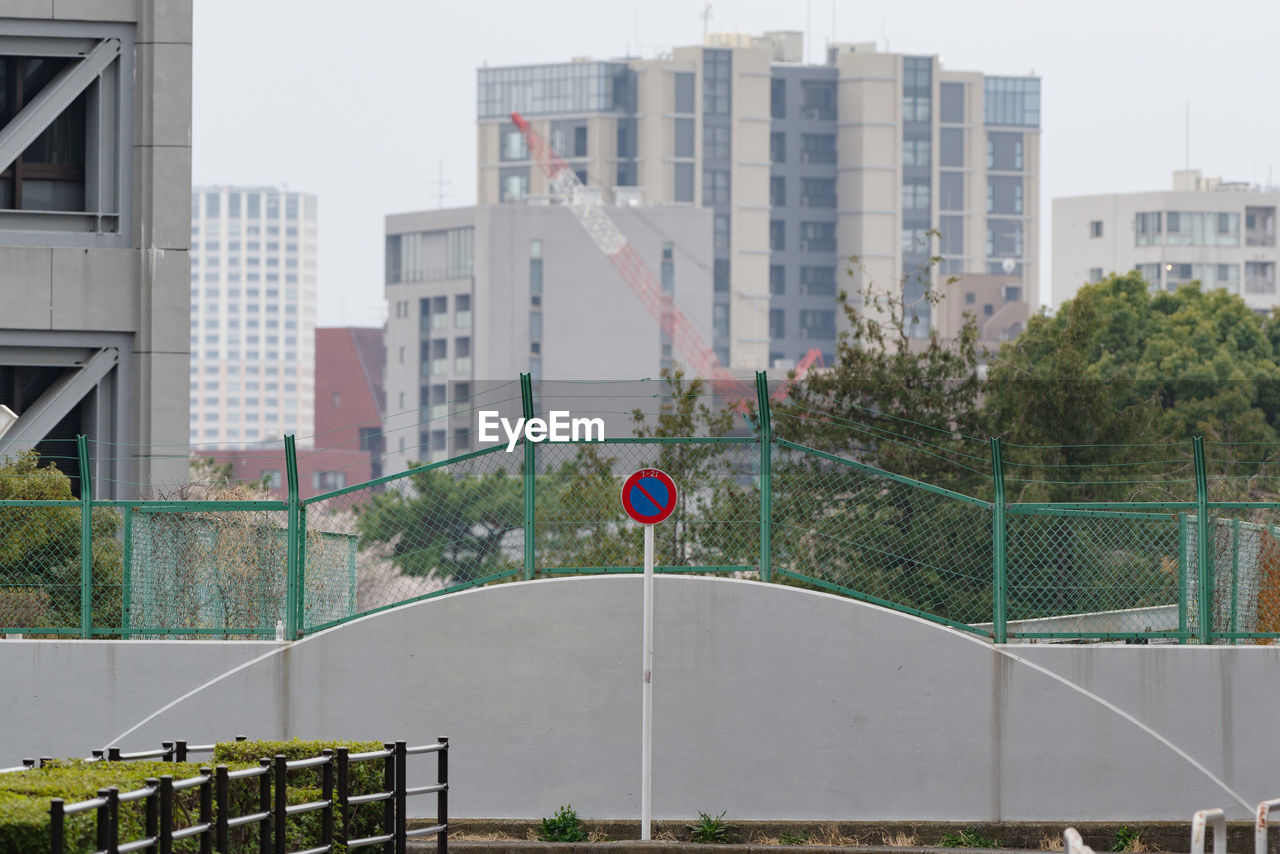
(649, 496)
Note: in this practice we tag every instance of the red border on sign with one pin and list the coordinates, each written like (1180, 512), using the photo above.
(671, 493)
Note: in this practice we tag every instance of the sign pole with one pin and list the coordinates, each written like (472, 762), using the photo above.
(646, 714)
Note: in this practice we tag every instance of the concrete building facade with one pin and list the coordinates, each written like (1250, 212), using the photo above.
(1221, 234)
(253, 315)
(95, 168)
(480, 295)
(802, 165)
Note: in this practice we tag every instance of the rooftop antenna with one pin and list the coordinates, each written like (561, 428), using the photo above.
(706, 21)
(1188, 145)
(440, 184)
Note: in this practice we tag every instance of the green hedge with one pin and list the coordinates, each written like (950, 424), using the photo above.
(25, 796)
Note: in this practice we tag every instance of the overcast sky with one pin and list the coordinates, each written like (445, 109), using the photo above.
(361, 103)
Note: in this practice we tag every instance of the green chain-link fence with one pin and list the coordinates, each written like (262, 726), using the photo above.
(1105, 554)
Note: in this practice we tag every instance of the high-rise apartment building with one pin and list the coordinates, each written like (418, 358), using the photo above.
(1221, 234)
(253, 315)
(802, 165)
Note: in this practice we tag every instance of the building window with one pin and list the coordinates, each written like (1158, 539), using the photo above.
(818, 192)
(1012, 101)
(951, 103)
(721, 228)
(915, 195)
(513, 183)
(777, 235)
(818, 236)
(720, 320)
(818, 281)
(817, 324)
(1147, 229)
(778, 98)
(777, 323)
(778, 147)
(682, 191)
(439, 312)
(462, 311)
(1095, 228)
(683, 144)
(951, 191)
(1004, 238)
(715, 142)
(818, 148)
(668, 268)
(514, 146)
(951, 232)
(1260, 226)
(777, 279)
(916, 150)
(1004, 194)
(684, 92)
(717, 82)
(1004, 152)
(817, 100)
(721, 275)
(462, 355)
(1095, 274)
(1260, 277)
(715, 187)
(580, 141)
(778, 191)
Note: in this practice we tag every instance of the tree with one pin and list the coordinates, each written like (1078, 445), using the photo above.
(40, 551)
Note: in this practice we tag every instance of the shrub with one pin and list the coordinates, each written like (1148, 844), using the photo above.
(565, 826)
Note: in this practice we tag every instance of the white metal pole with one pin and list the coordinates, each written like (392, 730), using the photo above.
(646, 714)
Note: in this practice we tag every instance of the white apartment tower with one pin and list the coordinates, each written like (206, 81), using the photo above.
(1221, 234)
(802, 165)
(253, 315)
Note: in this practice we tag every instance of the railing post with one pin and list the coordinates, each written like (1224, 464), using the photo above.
(126, 576)
(326, 793)
(291, 541)
(152, 814)
(1204, 548)
(166, 814)
(281, 808)
(765, 430)
(1184, 595)
(300, 600)
(401, 796)
(267, 825)
(530, 482)
(206, 811)
(999, 564)
(103, 821)
(389, 805)
(57, 826)
(442, 799)
(86, 538)
(344, 793)
(222, 797)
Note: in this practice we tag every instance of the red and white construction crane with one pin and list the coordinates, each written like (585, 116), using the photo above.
(697, 355)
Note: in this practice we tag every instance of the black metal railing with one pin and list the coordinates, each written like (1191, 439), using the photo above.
(215, 818)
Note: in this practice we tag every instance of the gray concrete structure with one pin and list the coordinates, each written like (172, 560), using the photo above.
(478, 296)
(802, 165)
(95, 171)
(770, 702)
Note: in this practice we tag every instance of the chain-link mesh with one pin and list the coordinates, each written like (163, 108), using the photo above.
(580, 523)
(1088, 573)
(39, 567)
(1244, 574)
(435, 527)
(850, 530)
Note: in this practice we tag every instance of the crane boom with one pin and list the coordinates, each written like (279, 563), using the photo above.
(685, 338)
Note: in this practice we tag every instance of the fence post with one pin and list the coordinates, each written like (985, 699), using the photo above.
(126, 576)
(530, 470)
(165, 843)
(281, 794)
(222, 797)
(1204, 553)
(86, 538)
(1183, 594)
(1235, 576)
(266, 827)
(291, 542)
(301, 599)
(999, 566)
(389, 805)
(764, 427)
(401, 795)
(57, 826)
(206, 811)
(151, 813)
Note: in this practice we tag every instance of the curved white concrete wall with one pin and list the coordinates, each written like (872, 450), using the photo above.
(770, 703)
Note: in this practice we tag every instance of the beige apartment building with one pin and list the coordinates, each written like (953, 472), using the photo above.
(886, 157)
(1221, 234)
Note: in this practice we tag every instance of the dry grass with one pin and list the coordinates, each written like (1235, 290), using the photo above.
(1051, 843)
(828, 835)
(494, 836)
(900, 840)
(665, 836)
(1137, 846)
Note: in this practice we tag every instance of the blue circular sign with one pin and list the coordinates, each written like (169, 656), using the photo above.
(649, 496)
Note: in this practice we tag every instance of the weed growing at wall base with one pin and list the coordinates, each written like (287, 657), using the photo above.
(564, 826)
